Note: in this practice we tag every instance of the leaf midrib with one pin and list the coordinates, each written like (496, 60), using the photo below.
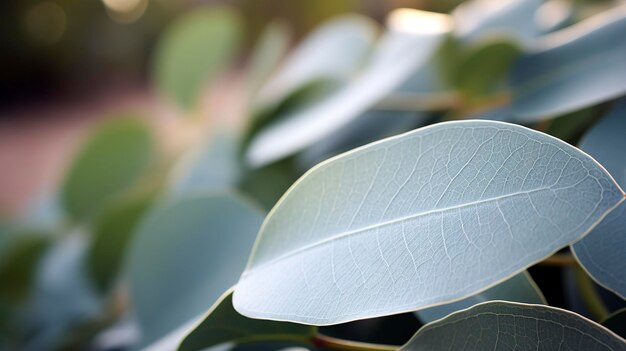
(385, 224)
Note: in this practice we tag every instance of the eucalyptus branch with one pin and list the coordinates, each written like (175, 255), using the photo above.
(589, 294)
(321, 340)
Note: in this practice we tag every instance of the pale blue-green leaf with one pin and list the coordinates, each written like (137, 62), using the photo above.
(519, 288)
(112, 159)
(269, 50)
(184, 255)
(63, 296)
(421, 219)
(193, 51)
(45, 212)
(401, 52)
(602, 253)
(513, 19)
(572, 68)
(212, 166)
(223, 324)
(503, 325)
(333, 51)
(616, 322)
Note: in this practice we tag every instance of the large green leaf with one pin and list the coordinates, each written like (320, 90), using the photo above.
(193, 51)
(421, 219)
(519, 288)
(502, 325)
(412, 38)
(111, 160)
(602, 253)
(573, 68)
(223, 324)
(184, 255)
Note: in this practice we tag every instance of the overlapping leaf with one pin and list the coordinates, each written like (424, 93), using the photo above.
(184, 255)
(411, 40)
(602, 252)
(507, 326)
(519, 288)
(316, 58)
(109, 163)
(420, 219)
(572, 68)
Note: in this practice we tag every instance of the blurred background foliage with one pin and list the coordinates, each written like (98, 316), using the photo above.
(126, 119)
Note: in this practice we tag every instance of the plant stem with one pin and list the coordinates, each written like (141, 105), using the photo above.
(589, 294)
(320, 340)
(419, 102)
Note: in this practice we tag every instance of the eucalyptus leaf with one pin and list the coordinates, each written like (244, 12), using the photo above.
(267, 54)
(333, 51)
(109, 163)
(572, 68)
(184, 255)
(511, 19)
(193, 51)
(223, 324)
(602, 252)
(502, 325)
(214, 165)
(45, 212)
(112, 232)
(484, 70)
(519, 288)
(62, 297)
(18, 264)
(616, 322)
(421, 219)
(412, 38)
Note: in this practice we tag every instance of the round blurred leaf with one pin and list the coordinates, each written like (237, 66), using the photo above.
(193, 50)
(110, 162)
(184, 256)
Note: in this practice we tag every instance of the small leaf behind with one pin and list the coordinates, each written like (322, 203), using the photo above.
(505, 325)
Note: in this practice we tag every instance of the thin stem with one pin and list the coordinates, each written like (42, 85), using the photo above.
(321, 340)
(589, 294)
(419, 102)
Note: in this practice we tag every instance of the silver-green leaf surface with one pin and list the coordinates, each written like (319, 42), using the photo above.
(421, 219)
